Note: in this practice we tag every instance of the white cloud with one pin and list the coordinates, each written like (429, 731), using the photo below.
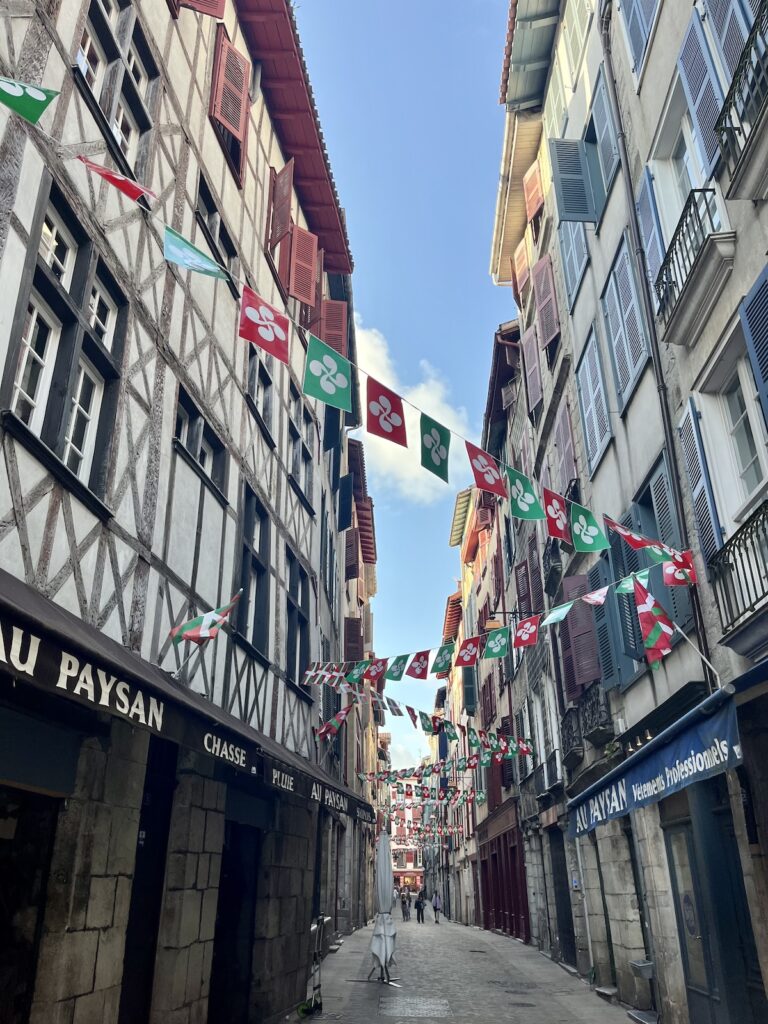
(392, 465)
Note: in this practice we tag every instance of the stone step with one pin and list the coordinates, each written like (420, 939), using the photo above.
(334, 948)
(643, 1016)
(608, 992)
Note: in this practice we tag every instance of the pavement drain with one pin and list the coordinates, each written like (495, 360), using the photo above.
(407, 1006)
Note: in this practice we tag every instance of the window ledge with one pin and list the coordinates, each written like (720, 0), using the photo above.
(702, 289)
(267, 433)
(250, 649)
(14, 426)
(299, 691)
(217, 254)
(198, 469)
(296, 486)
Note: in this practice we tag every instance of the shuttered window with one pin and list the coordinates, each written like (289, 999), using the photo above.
(576, 22)
(650, 229)
(565, 457)
(230, 103)
(547, 319)
(346, 485)
(574, 254)
(594, 409)
(625, 560)
(534, 573)
(354, 648)
(624, 326)
(639, 16)
(574, 193)
(554, 104)
(352, 555)
(605, 133)
(702, 495)
(533, 190)
(523, 588)
(532, 368)
(753, 313)
(214, 8)
(676, 600)
(282, 196)
(522, 269)
(507, 766)
(607, 630)
(578, 641)
(469, 687)
(312, 316)
(702, 90)
(303, 271)
(730, 25)
(333, 328)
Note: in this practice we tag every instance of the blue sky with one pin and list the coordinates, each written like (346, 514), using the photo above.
(408, 99)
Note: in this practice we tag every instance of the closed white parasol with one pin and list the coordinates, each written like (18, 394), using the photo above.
(384, 931)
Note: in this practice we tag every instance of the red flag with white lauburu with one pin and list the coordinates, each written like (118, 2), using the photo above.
(204, 627)
(264, 325)
(527, 632)
(487, 472)
(557, 515)
(127, 186)
(418, 669)
(655, 625)
(386, 416)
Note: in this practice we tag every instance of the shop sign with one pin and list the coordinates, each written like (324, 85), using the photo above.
(284, 778)
(706, 748)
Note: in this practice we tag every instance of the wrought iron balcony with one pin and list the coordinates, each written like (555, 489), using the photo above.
(540, 779)
(744, 110)
(571, 738)
(554, 770)
(739, 574)
(698, 221)
(596, 721)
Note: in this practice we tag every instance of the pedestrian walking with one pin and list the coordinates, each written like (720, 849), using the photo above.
(405, 905)
(437, 906)
(420, 908)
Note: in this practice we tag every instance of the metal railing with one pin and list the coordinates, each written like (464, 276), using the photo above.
(747, 95)
(571, 738)
(698, 221)
(554, 770)
(540, 780)
(739, 571)
(596, 721)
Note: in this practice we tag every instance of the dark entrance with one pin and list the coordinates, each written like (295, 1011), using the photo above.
(233, 941)
(562, 887)
(147, 887)
(27, 830)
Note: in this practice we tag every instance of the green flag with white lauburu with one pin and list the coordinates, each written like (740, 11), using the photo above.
(497, 644)
(426, 722)
(28, 101)
(450, 730)
(523, 503)
(396, 668)
(176, 249)
(443, 659)
(435, 446)
(585, 532)
(357, 672)
(328, 375)
(627, 585)
(472, 738)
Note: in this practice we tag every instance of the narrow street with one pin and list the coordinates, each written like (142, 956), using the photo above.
(465, 974)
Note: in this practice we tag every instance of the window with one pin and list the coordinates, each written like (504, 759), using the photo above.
(554, 116)
(253, 614)
(639, 17)
(102, 313)
(301, 438)
(39, 343)
(574, 254)
(576, 22)
(57, 248)
(217, 237)
(83, 418)
(594, 410)
(91, 59)
(297, 640)
(199, 440)
(137, 71)
(230, 107)
(625, 327)
(742, 435)
(126, 131)
(260, 384)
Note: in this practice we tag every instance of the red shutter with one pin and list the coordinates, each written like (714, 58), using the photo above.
(334, 324)
(523, 587)
(284, 260)
(578, 640)
(566, 460)
(215, 8)
(312, 316)
(534, 571)
(303, 265)
(532, 190)
(352, 555)
(532, 368)
(522, 269)
(353, 639)
(507, 767)
(282, 194)
(547, 318)
(229, 95)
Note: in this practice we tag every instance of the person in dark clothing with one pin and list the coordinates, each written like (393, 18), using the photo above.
(420, 908)
(437, 906)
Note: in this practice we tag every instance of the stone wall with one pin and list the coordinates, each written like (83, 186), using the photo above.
(89, 887)
(537, 892)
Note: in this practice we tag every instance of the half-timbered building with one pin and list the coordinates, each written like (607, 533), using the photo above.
(166, 818)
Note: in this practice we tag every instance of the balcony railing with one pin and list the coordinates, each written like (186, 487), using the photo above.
(540, 779)
(747, 95)
(596, 721)
(739, 571)
(554, 770)
(573, 743)
(698, 221)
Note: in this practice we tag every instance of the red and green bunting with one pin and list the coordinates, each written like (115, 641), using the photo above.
(204, 627)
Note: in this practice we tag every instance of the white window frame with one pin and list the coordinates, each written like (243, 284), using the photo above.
(134, 61)
(40, 401)
(575, 35)
(117, 131)
(47, 252)
(83, 63)
(639, 72)
(103, 294)
(83, 472)
(593, 458)
(743, 372)
(112, 13)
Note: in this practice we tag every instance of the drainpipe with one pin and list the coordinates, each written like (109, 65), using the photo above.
(641, 268)
(585, 904)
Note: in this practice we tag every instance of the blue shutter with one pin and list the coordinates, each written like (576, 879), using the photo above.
(624, 561)
(636, 30)
(702, 496)
(702, 90)
(754, 320)
(573, 186)
(634, 325)
(650, 229)
(567, 256)
(605, 628)
(676, 600)
(730, 29)
(607, 147)
(470, 689)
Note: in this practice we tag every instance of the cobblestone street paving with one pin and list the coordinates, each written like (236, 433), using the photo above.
(449, 972)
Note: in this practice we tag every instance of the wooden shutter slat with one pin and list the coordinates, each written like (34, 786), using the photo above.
(753, 314)
(676, 600)
(214, 8)
(229, 97)
(730, 29)
(637, 348)
(577, 632)
(523, 588)
(607, 148)
(702, 90)
(282, 195)
(598, 576)
(522, 268)
(650, 229)
(312, 316)
(303, 265)
(532, 367)
(565, 449)
(533, 190)
(345, 502)
(702, 495)
(573, 186)
(626, 560)
(534, 571)
(354, 648)
(547, 318)
(334, 324)
(352, 555)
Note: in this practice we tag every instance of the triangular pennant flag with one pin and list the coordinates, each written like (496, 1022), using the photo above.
(412, 715)
(655, 625)
(443, 659)
(396, 669)
(596, 598)
(486, 471)
(385, 417)
(376, 670)
(435, 446)
(204, 627)
(523, 503)
(332, 726)
(450, 731)
(176, 249)
(357, 671)
(127, 186)
(527, 632)
(28, 101)
(557, 516)
(472, 738)
(585, 533)
(627, 585)
(636, 540)
(264, 325)
(557, 614)
(419, 667)
(497, 643)
(469, 652)
(327, 375)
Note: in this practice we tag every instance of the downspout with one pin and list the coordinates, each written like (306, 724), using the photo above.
(641, 274)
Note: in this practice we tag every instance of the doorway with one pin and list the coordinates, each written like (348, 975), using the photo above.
(560, 882)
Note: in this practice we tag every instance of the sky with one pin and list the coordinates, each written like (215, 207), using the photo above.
(407, 93)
